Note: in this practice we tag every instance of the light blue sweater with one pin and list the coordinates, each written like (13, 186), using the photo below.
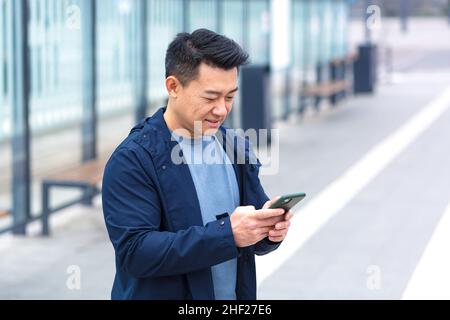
(218, 192)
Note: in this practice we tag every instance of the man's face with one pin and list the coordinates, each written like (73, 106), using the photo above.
(207, 99)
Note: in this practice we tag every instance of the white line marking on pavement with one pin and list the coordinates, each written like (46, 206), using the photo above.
(336, 195)
(431, 278)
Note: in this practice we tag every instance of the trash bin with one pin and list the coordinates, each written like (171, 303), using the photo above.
(365, 69)
(255, 99)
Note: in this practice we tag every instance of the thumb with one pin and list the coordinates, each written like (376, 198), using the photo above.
(269, 202)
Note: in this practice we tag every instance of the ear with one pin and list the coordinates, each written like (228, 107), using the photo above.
(173, 86)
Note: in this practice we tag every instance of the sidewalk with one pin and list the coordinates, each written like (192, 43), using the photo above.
(37, 268)
(370, 248)
(313, 153)
(380, 231)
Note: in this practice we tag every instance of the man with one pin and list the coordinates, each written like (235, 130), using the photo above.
(184, 230)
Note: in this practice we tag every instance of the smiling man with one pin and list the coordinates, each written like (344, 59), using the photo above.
(190, 230)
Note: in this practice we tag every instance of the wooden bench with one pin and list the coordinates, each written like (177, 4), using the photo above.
(4, 213)
(325, 89)
(85, 176)
(335, 85)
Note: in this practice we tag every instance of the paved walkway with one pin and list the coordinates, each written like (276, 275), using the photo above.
(381, 239)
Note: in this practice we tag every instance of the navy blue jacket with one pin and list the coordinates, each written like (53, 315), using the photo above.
(152, 214)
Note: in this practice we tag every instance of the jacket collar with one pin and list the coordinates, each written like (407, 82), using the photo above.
(156, 137)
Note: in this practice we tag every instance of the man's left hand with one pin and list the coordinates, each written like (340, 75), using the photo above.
(281, 228)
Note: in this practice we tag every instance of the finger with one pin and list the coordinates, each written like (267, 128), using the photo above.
(289, 215)
(277, 233)
(270, 222)
(264, 230)
(269, 202)
(245, 209)
(276, 239)
(282, 225)
(268, 213)
(262, 236)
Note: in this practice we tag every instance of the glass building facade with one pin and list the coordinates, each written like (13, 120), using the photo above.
(55, 53)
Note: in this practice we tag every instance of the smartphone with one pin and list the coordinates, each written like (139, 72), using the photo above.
(288, 201)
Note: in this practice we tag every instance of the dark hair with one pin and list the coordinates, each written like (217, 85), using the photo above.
(187, 51)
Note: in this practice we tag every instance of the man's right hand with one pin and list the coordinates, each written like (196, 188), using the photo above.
(251, 226)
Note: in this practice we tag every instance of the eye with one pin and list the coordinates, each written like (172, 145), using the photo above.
(210, 99)
(229, 98)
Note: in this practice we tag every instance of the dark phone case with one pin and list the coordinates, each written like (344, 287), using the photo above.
(282, 202)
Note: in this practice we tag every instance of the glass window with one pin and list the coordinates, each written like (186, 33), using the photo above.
(232, 20)
(55, 50)
(117, 64)
(335, 30)
(55, 89)
(297, 30)
(327, 30)
(165, 21)
(116, 23)
(258, 33)
(202, 14)
(343, 22)
(311, 45)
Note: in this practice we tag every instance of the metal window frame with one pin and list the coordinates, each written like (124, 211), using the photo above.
(19, 97)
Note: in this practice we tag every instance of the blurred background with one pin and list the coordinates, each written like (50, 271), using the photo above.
(357, 91)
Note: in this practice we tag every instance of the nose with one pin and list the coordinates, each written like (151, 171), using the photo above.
(220, 109)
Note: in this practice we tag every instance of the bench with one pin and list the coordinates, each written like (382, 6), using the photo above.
(337, 84)
(85, 176)
(4, 213)
(326, 89)
(333, 81)
(329, 89)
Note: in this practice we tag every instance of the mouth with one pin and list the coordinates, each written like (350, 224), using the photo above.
(213, 123)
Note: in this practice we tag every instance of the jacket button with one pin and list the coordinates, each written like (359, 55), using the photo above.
(222, 223)
(164, 167)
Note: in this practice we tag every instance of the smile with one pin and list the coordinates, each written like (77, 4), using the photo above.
(212, 123)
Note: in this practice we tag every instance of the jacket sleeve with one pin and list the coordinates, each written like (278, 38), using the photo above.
(264, 246)
(132, 211)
